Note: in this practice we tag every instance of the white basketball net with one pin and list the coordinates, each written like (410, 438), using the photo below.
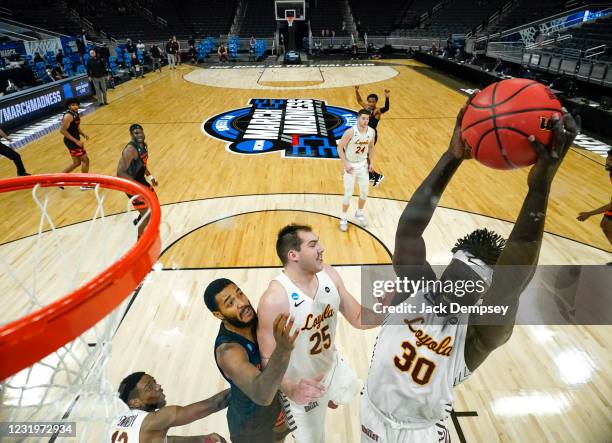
(68, 385)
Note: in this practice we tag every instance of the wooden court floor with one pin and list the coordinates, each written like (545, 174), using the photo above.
(222, 211)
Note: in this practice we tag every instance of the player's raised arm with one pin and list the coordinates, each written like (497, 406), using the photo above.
(359, 99)
(170, 416)
(260, 386)
(410, 248)
(386, 107)
(517, 262)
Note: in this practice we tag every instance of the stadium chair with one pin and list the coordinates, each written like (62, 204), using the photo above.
(81, 69)
(584, 71)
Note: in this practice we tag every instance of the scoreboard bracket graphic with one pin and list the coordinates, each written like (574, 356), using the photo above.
(297, 128)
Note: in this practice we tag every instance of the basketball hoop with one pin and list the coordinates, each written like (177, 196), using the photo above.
(30, 338)
(54, 348)
(290, 21)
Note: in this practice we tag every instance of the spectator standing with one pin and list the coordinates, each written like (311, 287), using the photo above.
(193, 54)
(140, 46)
(171, 54)
(38, 58)
(156, 55)
(129, 47)
(252, 44)
(177, 49)
(96, 70)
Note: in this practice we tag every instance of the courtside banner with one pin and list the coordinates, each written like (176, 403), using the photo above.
(498, 295)
(23, 107)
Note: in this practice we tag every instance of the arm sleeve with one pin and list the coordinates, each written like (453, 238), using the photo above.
(386, 107)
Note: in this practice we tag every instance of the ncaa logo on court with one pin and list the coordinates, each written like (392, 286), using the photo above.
(299, 128)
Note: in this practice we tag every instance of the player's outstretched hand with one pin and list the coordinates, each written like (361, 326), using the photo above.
(214, 438)
(348, 168)
(154, 182)
(285, 340)
(583, 216)
(356, 87)
(457, 146)
(387, 92)
(308, 390)
(564, 131)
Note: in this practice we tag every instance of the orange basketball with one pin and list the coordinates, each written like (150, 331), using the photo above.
(499, 119)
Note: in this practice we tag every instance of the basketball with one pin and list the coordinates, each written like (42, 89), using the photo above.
(499, 119)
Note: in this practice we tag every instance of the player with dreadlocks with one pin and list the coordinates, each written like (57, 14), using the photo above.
(422, 353)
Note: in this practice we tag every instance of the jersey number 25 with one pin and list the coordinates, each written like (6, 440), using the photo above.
(322, 340)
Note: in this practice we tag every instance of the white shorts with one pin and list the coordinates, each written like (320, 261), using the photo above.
(341, 385)
(361, 174)
(377, 429)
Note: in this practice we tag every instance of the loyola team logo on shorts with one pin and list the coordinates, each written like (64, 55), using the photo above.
(304, 128)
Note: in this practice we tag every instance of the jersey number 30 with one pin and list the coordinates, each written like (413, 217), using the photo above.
(119, 437)
(321, 340)
(404, 363)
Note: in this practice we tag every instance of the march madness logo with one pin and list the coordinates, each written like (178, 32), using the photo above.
(303, 128)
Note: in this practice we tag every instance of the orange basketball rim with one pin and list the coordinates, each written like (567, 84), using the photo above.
(27, 340)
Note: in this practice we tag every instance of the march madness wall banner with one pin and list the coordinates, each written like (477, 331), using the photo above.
(304, 128)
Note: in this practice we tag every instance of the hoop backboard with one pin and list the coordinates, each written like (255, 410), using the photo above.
(290, 8)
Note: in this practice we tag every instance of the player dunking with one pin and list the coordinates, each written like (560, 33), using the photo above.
(418, 359)
(375, 115)
(133, 166)
(356, 150)
(71, 130)
(312, 293)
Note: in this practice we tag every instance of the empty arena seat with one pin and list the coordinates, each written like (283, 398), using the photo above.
(555, 62)
(584, 71)
(598, 71)
(544, 61)
(568, 67)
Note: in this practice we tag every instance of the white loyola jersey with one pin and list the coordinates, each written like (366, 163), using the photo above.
(358, 146)
(416, 362)
(126, 427)
(314, 352)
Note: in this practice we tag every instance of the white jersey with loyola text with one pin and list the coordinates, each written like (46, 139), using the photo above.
(357, 148)
(417, 359)
(314, 352)
(126, 427)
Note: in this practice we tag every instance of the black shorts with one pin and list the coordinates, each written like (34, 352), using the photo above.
(608, 217)
(138, 202)
(75, 150)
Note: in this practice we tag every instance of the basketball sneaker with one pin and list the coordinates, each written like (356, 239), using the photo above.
(343, 224)
(378, 180)
(361, 219)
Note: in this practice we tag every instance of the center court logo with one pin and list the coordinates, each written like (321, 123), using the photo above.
(300, 128)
